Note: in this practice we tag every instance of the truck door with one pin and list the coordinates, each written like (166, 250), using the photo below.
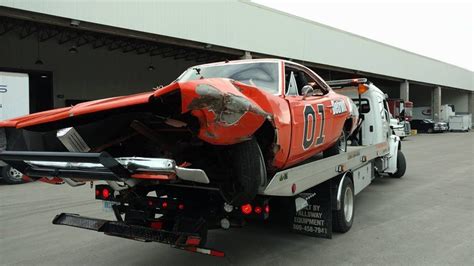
(311, 115)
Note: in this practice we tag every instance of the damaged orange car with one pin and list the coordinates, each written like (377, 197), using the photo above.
(225, 126)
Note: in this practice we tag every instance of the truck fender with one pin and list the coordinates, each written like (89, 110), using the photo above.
(339, 189)
(394, 146)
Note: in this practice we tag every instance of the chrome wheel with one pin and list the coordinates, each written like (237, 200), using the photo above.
(348, 204)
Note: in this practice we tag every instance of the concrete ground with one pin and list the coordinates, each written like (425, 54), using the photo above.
(425, 218)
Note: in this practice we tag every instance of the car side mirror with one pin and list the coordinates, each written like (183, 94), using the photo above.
(307, 90)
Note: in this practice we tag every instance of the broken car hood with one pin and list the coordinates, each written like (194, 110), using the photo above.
(225, 114)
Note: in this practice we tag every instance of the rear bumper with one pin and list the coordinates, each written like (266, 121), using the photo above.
(121, 229)
(95, 166)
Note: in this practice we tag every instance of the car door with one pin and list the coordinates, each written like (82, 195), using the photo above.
(311, 115)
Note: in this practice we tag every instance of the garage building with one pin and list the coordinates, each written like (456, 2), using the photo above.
(75, 51)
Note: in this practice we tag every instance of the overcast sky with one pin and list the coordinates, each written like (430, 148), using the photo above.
(443, 30)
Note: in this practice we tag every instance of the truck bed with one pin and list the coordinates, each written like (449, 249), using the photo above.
(295, 180)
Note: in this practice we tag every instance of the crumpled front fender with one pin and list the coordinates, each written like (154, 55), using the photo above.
(226, 116)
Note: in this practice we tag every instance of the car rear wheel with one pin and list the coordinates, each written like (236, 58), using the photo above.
(430, 130)
(248, 173)
(11, 175)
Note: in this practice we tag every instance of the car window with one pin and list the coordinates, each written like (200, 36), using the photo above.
(292, 86)
(263, 75)
(302, 78)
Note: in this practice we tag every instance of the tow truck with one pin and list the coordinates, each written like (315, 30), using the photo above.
(320, 190)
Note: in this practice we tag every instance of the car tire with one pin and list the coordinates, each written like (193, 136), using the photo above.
(342, 219)
(11, 175)
(401, 165)
(248, 172)
(430, 130)
(340, 145)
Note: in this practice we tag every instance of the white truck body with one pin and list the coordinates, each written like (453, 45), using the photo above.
(460, 122)
(14, 95)
(376, 155)
(425, 112)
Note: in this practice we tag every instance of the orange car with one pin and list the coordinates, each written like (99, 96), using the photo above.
(222, 125)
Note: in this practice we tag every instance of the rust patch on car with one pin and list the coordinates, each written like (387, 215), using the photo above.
(228, 108)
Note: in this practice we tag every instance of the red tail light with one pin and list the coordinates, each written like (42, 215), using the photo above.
(246, 209)
(258, 210)
(181, 206)
(164, 205)
(105, 193)
(157, 225)
(97, 192)
(193, 241)
(267, 208)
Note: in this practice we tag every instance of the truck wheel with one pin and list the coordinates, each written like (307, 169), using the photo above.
(401, 165)
(11, 175)
(249, 172)
(338, 147)
(342, 219)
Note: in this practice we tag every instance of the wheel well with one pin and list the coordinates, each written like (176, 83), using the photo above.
(335, 183)
(348, 125)
(266, 138)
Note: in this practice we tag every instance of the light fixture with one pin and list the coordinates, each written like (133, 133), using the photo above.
(75, 23)
(151, 67)
(38, 60)
(44, 76)
(73, 50)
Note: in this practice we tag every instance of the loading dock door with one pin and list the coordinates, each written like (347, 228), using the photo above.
(14, 95)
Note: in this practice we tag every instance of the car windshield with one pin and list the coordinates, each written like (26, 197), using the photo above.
(429, 121)
(262, 75)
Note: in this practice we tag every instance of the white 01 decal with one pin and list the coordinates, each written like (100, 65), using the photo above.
(310, 115)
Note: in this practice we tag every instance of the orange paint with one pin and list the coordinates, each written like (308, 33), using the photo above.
(230, 112)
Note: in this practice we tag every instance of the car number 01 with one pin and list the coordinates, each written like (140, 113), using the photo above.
(310, 115)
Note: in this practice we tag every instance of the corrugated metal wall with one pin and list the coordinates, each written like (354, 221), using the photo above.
(245, 26)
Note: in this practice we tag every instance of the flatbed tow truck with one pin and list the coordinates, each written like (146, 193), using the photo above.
(320, 193)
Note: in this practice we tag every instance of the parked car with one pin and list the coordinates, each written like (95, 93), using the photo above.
(428, 125)
(225, 125)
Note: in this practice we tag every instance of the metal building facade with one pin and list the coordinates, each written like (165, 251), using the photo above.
(250, 27)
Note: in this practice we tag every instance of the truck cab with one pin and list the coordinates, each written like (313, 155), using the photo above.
(375, 120)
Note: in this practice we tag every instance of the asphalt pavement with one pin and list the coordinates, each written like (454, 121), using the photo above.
(424, 218)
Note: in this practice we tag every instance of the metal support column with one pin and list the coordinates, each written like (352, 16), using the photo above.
(405, 90)
(436, 107)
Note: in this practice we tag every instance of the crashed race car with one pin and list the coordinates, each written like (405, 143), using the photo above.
(225, 126)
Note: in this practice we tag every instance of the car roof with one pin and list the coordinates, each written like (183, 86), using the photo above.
(246, 61)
